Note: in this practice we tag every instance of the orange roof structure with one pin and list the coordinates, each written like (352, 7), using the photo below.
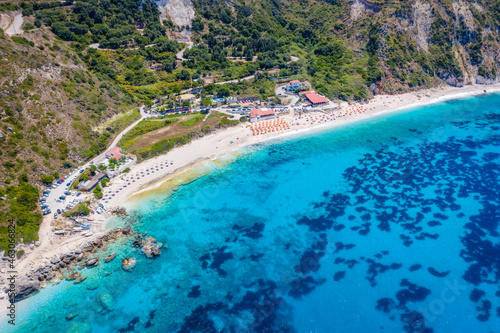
(306, 92)
(315, 98)
(114, 151)
(276, 70)
(294, 81)
(117, 157)
(261, 113)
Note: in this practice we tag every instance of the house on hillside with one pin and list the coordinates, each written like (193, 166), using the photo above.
(274, 72)
(186, 97)
(293, 85)
(156, 66)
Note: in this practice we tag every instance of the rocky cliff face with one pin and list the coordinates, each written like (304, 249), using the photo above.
(180, 12)
(457, 38)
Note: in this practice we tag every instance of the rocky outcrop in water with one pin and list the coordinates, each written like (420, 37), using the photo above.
(128, 263)
(31, 283)
(149, 246)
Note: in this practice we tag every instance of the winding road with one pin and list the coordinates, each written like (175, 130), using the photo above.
(180, 55)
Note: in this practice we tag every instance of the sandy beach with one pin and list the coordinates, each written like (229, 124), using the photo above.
(151, 173)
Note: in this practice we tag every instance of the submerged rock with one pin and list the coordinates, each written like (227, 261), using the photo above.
(128, 263)
(72, 276)
(107, 301)
(80, 279)
(110, 257)
(79, 327)
(92, 284)
(71, 316)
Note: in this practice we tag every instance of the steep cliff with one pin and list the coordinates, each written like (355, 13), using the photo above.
(180, 12)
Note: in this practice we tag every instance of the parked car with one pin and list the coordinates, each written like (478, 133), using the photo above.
(67, 192)
(62, 197)
(58, 211)
(78, 193)
(81, 171)
(55, 215)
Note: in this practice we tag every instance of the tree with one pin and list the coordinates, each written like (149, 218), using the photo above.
(183, 75)
(84, 177)
(98, 192)
(23, 177)
(93, 169)
(47, 179)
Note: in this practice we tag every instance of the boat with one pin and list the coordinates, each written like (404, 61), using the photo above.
(72, 218)
(58, 228)
(59, 232)
(90, 219)
(78, 220)
(85, 226)
(88, 234)
(77, 229)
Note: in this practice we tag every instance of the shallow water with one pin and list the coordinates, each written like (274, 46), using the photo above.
(388, 225)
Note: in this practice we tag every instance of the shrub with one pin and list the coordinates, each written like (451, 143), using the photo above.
(47, 179)
(28, 26)
(22, 41)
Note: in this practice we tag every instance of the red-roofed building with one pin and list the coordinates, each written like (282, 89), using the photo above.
(156, 66)
(316, 99)
(112, 152)
(275, 71)
(117, 157)
(305, 92)
(132, 156)
(260, 115)
(293, 85)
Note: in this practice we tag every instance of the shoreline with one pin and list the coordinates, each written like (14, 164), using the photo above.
(217, 147)
(443, 94)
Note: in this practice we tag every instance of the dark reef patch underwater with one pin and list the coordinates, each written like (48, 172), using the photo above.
(388, 225)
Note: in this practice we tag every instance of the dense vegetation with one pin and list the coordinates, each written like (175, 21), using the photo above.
(23, 213)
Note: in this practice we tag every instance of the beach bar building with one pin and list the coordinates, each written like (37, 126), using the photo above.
(113, 151)
(260, 115)
(90, 184)
(316, 99)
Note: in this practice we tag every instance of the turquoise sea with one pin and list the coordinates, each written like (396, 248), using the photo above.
(386, 225)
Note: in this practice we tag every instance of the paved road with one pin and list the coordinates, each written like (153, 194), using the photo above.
(96, 46)
(60, 189)
(237, 80)
(281, 92)
(180, 55)
(15, 27)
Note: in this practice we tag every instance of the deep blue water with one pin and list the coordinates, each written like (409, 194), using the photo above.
(389, 225)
